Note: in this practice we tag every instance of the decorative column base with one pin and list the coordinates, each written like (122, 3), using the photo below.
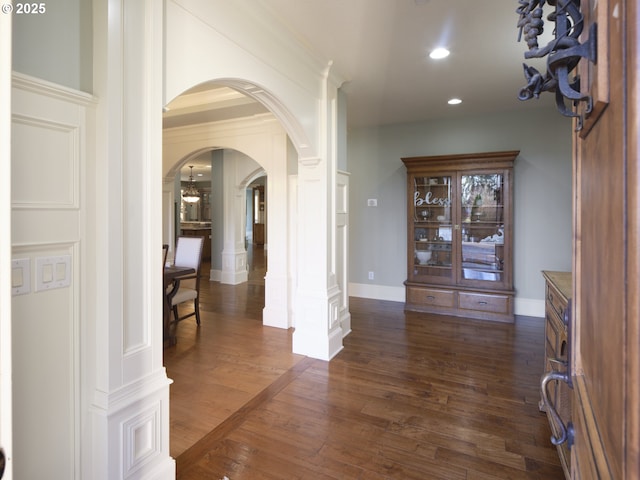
(318, 333)
(276, 306)
(345, 322)
(234, 268)
(129, 432)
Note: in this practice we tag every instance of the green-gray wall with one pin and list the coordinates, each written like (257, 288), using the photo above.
(542, 190)
(56, 45)
(217, 208)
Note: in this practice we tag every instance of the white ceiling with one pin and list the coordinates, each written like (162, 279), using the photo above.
(381, 47)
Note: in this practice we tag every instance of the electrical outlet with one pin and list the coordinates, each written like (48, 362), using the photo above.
(370, 275)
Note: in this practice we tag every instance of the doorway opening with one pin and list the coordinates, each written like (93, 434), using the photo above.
(220, 366)
(217, 367)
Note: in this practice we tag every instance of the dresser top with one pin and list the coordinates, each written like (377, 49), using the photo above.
(561, 280)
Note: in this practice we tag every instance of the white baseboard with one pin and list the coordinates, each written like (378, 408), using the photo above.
(529, 307)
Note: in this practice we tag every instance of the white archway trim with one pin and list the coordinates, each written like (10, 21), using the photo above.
(244, 45)
(288, 121)
(177, 167)
(246, 135)
(259, 172)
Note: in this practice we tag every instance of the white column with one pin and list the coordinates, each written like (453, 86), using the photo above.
(234, 255)
(127, 389)
(318, 331)
(277, 289)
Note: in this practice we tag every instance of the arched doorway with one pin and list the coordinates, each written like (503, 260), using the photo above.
(305, 278)
(207, 360)
(241, 141)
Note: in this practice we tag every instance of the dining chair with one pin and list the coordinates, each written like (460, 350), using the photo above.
(188, 254)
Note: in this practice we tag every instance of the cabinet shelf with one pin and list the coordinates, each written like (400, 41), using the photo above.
(481, 222)
(441, 243)
(459, 248)
(481, 268)
(431, 223)
(472, 205)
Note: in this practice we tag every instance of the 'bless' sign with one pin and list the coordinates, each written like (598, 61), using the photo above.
(429, 199)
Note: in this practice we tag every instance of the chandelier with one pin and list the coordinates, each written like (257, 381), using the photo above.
(191, 194)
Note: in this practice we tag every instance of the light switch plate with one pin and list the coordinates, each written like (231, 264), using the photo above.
(53, 272)
(20, 276)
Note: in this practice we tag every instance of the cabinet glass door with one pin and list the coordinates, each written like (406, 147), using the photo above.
(432, 228)
(482, 227)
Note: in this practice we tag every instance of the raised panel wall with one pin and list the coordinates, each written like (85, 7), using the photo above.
(48, 151)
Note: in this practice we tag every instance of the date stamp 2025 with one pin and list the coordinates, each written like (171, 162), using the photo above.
(24, 8)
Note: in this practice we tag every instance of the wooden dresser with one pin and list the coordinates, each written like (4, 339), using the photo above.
(558, 289)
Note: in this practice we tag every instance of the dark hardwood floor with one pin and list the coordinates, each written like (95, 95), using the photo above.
(411, 396)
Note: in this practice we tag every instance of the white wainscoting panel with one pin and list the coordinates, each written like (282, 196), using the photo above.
(142, 440)
(49, 128)
(44, 173)
(46, 374)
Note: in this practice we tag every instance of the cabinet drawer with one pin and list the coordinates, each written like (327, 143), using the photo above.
(483, 302)
(556, 301)
(428, 296)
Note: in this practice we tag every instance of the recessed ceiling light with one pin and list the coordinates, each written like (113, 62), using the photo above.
(439, 53)
(454, 101)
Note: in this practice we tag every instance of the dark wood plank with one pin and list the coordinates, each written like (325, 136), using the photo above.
(411, 396)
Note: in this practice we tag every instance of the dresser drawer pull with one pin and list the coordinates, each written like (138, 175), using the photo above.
(430, 297)
(566, 431)
(482, 302)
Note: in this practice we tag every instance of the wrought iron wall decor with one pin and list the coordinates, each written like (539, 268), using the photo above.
(563, 53)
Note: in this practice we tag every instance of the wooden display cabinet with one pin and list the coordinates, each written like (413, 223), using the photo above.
(459, 251)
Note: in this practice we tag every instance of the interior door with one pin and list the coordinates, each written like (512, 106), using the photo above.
(605, 341)
(5, 246)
